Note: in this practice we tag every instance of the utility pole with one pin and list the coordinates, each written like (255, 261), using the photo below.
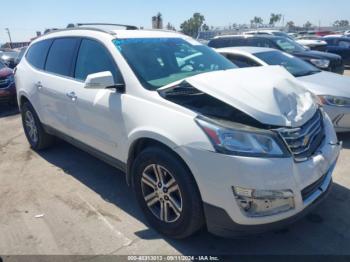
(8, 32)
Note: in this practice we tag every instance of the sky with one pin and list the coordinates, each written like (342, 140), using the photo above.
(26, 17)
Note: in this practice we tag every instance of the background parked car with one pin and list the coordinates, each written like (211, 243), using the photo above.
(7, 84)
(322, 60)
(339, 46)
(332, 89)
(8, 58)
(313, 42)
(20, 55)
(268, 32)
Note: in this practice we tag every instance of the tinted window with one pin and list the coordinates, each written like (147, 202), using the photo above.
(37, 53)
(227, 42)
(61, 56)
(241, 61)
(2, 65)
(288, 45)
(344, 43)
(294, 65)
(260, 42)
(93, 58)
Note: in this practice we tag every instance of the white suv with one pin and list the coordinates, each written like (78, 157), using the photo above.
(201, 142)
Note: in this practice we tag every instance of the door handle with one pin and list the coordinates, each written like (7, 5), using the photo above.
(72, 96)
(38, 85)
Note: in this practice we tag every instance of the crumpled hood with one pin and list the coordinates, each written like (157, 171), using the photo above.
(326, 83)
(269, 94)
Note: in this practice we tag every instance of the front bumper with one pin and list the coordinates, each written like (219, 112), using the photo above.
(216, 173)
(220, 223)
(8, 93)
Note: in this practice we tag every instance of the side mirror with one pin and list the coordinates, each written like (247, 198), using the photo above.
(102, 80)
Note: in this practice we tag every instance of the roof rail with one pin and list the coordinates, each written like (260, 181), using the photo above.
(127, 27)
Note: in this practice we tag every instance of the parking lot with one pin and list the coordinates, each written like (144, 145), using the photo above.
(64, 201)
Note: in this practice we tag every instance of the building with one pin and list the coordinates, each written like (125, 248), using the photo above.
(14, 45)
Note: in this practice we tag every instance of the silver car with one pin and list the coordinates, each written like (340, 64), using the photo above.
(332, 89)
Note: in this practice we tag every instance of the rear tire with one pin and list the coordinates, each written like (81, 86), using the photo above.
(167, 193)
(33, 129)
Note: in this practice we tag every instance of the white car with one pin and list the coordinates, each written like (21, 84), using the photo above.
(312, 42)
(268, 32)
(201, 142)
(332, 89)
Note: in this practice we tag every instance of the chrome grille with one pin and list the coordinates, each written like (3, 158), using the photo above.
(304, 141)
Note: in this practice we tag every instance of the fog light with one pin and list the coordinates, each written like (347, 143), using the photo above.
(256, 203)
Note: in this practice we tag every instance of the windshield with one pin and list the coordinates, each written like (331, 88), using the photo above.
(288, 45)
(294, 65)
(160, 61)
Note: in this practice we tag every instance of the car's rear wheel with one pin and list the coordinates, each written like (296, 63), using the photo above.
(33, 129)
(167, 193)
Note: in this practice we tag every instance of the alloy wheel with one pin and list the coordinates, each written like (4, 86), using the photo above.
(161, 193)
(31, 126)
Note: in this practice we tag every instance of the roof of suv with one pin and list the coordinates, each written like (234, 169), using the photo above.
(248, 36)
(112, 34)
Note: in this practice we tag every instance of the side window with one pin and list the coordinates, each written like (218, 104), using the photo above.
(242, 61)
(344, 43)
(37, 53)
(61, 56)
(260, 42)
(92, 58)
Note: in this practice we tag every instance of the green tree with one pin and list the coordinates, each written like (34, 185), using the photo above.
(341, 23)
(193, 25)
(308, 25)
(169, 26)
(256, 21)
(275, 18)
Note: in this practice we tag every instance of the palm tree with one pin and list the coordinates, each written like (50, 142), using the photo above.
(275, 18)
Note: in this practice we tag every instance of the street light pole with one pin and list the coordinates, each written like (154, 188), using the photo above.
(9, 34)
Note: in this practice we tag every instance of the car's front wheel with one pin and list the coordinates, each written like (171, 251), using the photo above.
(167, 193)
(33, 129)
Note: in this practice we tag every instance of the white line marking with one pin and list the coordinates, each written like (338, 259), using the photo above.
(126, 240)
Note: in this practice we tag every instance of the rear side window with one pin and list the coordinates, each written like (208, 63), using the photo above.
(260, 42)
(93, 58)
(61, 57)
(37, 53)
(227, 42)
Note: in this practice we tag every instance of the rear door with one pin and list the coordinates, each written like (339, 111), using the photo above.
(341, 47)
(54, 86)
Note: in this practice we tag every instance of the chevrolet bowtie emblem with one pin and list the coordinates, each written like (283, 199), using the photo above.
(306, 140)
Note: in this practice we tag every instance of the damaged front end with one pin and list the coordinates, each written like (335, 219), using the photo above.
(268, 117)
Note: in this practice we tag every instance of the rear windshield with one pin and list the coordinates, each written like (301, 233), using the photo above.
(294, 65)
(160, 61)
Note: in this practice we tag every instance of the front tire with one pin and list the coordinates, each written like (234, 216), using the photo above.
(167, 193)
(33, 129)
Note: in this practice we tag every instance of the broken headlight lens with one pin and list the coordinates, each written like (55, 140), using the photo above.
(240, 141)
(335, 101)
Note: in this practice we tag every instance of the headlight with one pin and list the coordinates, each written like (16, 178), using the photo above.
(321, 63)
(239, 141)
(335, 101)
(11, 78)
